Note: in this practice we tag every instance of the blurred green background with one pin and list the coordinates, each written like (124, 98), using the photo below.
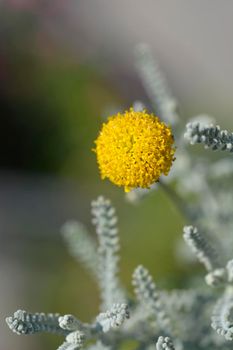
(64, 66)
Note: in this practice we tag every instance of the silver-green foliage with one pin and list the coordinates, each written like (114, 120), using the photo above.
(209, 135)
(161, 319)
(164, 104)
(106, 326)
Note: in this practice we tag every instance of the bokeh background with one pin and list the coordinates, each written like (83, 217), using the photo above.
(64, 66)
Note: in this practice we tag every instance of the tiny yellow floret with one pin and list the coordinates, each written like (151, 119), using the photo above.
(134, 149)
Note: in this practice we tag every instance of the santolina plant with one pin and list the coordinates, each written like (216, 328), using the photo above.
(134, 150)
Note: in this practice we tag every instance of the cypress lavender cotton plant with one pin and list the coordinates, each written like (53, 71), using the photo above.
(193, 319)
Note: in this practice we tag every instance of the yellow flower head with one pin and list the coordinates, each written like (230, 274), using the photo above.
(133, 149)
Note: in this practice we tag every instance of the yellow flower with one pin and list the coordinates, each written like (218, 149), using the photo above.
(133, 149)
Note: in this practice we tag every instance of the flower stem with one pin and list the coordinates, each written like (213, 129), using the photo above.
(176, 199)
